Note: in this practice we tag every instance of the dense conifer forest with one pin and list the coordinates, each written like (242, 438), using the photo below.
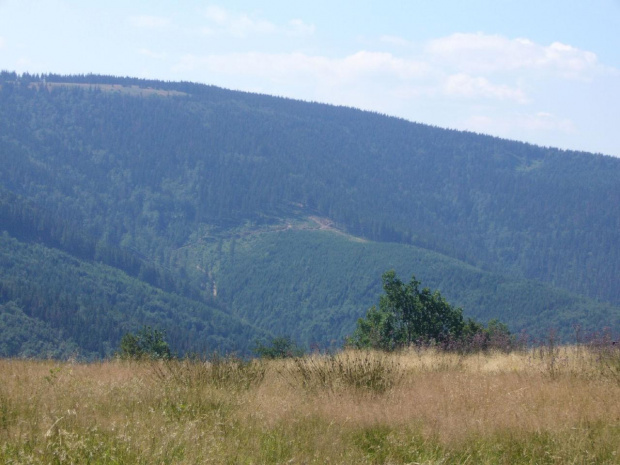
(223, 217)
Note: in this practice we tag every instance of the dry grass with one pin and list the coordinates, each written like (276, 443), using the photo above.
(533, 407)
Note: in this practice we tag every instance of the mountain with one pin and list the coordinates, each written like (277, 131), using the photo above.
(182, 187)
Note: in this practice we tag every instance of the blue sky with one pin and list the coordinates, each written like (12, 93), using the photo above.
(546, 72)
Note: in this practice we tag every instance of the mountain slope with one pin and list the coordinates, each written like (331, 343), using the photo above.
(172, 171)
(327, 281)
(156, 166)
(53, 304)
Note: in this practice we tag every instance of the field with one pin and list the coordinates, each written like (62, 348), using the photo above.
(547, 405)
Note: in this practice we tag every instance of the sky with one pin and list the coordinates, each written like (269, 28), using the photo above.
(545, 71)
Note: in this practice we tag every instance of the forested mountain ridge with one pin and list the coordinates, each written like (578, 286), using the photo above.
(62, 293)
(170, 170)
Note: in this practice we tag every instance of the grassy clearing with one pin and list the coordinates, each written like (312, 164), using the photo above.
(116, 88)
(558, 406)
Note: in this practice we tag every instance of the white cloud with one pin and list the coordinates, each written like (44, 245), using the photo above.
(24, 64)
(464, 85)
(382, 63)
(483, 83)
(520, 125)
(481, 53)
(150, 22)
(335, 71)
(298, 28)
(393, 40)
(151, 54)
(475, 67)
(241, 25)
(545, 121)
(216, 14)
(236, 25)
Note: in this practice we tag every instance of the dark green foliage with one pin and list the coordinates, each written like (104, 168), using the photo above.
(143, 172)
(29, 223)
(315, 285)
(279, 347)
(169, 188)
(407, 315)
(497, 335)
(24, 336)
(146, 343)
(63, 306)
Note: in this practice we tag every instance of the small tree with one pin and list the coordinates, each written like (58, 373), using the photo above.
(146, 343)
(280, 347)
(406, 315)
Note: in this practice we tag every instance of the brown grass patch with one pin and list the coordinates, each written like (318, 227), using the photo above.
(443, 408)
(115, 88)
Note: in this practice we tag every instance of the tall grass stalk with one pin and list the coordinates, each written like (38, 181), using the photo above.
(229, 372)
(360, 371)
(418, 406)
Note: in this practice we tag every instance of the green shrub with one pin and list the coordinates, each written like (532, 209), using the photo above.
(146, 343)
(405, 316)
(280, 347)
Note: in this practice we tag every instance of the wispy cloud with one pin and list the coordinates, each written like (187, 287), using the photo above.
(242, 25)
(482, 53)
(298, 28)
(464, 85)
(393, 40)
(519, 123)
(485, 83)
(381, 63)
(151, 54)
(238, 25)
(150, 22)
(24, 64)
(327, 70)
(472, 66)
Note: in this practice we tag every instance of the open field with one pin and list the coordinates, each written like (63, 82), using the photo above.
(550, 405)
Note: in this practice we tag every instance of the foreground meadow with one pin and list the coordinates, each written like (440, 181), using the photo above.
(560, 405)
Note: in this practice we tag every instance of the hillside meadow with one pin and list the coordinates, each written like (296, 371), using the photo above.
(548, 405)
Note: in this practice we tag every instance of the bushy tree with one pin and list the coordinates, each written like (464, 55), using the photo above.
(146, 343)
(407, 315)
